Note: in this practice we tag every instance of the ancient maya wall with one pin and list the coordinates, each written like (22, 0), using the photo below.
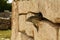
(50, 10)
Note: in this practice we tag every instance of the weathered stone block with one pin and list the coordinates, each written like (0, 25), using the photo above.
(50, 9)
(25, 6)
(46, 32)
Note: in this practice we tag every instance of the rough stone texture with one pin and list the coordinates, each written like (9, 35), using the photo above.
(25, 6)
(28, 27)
(21, 36)
(5, 20)
(50, 9)
(59, 34)
(15, 21)
(22, 23)
(5, 14)
(46, 32)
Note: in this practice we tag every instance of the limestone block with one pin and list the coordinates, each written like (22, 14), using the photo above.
(15, 21)
(18, 37)
(28, 27)
(59, 34)
(21, 36)
(19, 22)
(25, 6)
(46, 32)
(50, 9)
(22, 23)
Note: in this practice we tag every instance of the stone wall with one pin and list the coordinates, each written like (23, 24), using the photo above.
(5, 24)
(24, 30)
(50, 9)
(5, 20)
